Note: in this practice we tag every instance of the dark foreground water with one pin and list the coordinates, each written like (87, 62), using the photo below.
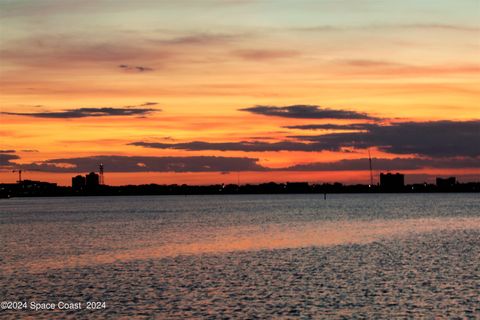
(266, 256)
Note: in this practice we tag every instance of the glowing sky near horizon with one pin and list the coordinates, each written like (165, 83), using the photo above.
(71, 72)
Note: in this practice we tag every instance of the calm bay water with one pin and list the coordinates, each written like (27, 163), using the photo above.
(388, 255)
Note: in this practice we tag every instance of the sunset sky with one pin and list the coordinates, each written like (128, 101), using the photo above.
(210, 91)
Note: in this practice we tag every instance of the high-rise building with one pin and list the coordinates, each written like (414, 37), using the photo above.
(392, 182)
(78, 183)
(92, 181)
(446, 183)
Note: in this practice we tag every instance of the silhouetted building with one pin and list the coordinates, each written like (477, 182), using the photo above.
(392, 182)
(28, 188)
(271, 187)
(32, 188)
(446, 182)
(30, 184)
(298, 187)
(78, 183)
(92, 181)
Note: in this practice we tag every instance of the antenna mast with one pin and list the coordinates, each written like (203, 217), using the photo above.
(371, 171)
(102, 181)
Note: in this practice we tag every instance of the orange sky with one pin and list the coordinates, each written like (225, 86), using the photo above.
(189, 67)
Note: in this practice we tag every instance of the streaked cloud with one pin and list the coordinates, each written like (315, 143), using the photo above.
(437, 26)
(384, 67)
(368, 63)
(330, 126)
(385, 26)
(130, 52)
(88, 112)
(246, 146)
(307, 112)
(260, 55)
(129, 68)
(62, 51)
(115, 163)
(202, 39)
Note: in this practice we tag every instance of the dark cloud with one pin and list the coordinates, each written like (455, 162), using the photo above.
(329, 126)
(130, 68)
(7, 151)
(432, 139)
(258, 55)
(146, 164)
(5, 159)
(308, 112)
(89, 112)
(247, 146)
(29, 150)
(389, 164)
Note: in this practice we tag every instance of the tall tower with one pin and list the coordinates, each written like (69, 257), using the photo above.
(102, 181)
(19, 175)
(371, 170)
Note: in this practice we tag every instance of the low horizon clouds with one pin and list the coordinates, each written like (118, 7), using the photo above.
(387, 164)
(115, 163)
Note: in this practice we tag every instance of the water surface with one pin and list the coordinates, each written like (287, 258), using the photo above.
(245, 256)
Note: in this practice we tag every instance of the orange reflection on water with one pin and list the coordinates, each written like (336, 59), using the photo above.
(272, 236)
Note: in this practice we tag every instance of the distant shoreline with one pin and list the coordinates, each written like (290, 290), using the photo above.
(42, 189)
(225, 194)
